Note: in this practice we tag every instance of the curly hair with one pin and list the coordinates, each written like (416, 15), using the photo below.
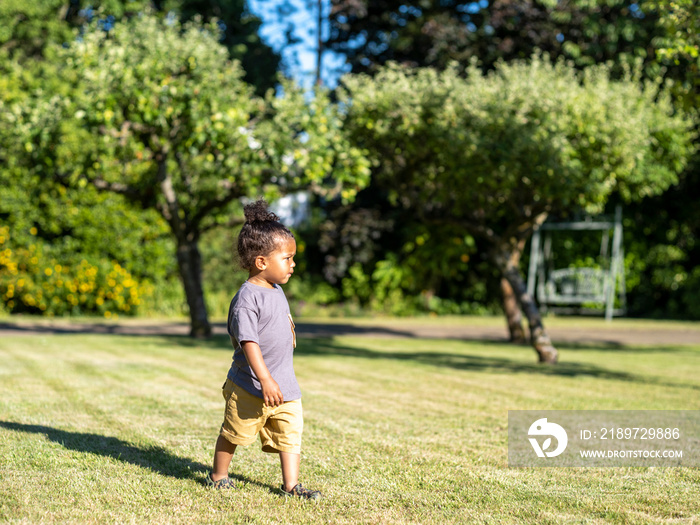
(260, 235)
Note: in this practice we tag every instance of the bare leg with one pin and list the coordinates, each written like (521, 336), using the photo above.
(290, 469)
(223, 454)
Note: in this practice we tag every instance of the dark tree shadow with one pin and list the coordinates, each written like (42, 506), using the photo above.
(617, 347)
(178, 333)
(479, 363)
(98, 328)
(462, 361)
(304, 329)
(318, 339)
(320, 346)
(152, 457)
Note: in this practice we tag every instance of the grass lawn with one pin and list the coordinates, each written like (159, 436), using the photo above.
(121, 429)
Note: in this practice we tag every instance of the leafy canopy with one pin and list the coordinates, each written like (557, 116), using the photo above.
(497, 152)
(179, 130)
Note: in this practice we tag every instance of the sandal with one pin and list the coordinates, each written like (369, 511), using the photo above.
(219, 484)
(301, 492)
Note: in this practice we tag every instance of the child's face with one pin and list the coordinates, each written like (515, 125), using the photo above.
(279, 265)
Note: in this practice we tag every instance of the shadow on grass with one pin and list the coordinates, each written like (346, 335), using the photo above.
(178, 332)
(178, 329)
(463, 361)
(617, 347)
(479, 363)
(222, 342)
(320, 346)
(317, 345)
(151, 457)
(318, 339)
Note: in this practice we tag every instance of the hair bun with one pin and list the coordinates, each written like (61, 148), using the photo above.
(257, 211)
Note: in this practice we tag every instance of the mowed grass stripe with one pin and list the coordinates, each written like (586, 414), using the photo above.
(121, 429)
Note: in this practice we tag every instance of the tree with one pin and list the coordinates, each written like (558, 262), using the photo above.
(239, 33)
(497, 153)
(431, 33)
(681, 21)
(665, 254)
(51, 225)
(62, 243)
(65, 218)
(434, 33)
(29, 28)
(161, 116)
(373, 33)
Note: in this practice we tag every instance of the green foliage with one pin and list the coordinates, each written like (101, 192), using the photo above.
(157, 113)
(172, 126)
(495, 154)
(663, 253)
(658, 35)
(310, 296)
(527, 140)
(87, 234)
(678, 47)
(77, 220)
(162, 97)
(308, 146)
(27, 26)
(45, 150)
(239, 33)
(28, 29)
(434, 33)
(681, 20)
(33, 280)
(221, 273)
(388, 259)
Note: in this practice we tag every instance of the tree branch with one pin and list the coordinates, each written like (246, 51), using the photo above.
(170, 210)
(233, 192)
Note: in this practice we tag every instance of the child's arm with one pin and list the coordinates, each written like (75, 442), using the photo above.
(272, 395)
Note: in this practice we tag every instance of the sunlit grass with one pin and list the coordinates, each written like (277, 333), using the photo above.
(121, 429)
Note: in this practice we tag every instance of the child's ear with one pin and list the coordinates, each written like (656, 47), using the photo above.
(260, 262)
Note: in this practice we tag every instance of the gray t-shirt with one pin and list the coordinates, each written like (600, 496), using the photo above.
(261, 315)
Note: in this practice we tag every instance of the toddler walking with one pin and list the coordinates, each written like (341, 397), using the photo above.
(261, 390)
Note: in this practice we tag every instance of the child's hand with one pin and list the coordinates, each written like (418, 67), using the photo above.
(272, 395)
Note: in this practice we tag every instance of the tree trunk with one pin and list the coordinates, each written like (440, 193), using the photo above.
(514, 315)
(319, 42)
(538, 337)
(189, 263)
(508, 259)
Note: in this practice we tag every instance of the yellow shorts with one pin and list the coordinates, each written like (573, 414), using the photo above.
(246, 417)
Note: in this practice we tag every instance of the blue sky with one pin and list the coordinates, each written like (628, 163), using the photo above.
(299, 59)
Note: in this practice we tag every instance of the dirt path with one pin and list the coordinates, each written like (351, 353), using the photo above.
(620, 334)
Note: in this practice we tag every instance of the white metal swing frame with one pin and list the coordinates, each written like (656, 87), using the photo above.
(564, 289)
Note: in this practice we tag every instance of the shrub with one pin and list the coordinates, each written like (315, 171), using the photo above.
(34, 281)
